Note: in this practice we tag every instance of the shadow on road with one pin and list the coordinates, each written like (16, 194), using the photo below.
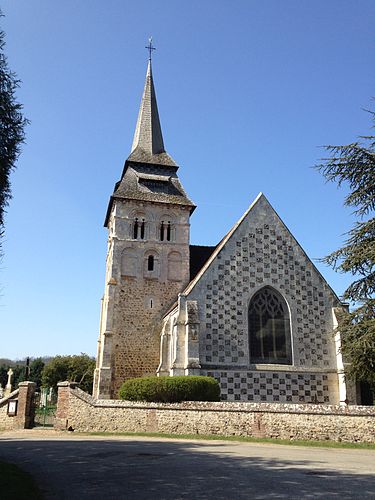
(132, 469)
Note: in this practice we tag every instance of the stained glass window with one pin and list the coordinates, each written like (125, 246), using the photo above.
(269, 328)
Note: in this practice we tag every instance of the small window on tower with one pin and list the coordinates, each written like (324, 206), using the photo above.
(162, 229)
(143, 229)
(169, 231)
(150, 263)
(135, 228)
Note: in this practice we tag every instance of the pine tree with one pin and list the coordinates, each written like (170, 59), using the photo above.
(354, 164)
(12, 126)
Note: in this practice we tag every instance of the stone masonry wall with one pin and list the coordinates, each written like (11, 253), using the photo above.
(137, 341)
(285, 421)
(24, 419)
(7, 422)
(137, 293)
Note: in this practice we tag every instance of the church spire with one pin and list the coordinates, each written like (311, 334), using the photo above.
(148, 136)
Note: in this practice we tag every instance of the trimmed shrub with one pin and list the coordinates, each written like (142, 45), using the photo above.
(170, 389)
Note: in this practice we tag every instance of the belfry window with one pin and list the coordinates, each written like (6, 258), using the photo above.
(135, 228)
(165, 231)
(139, 229)
(169, 231)
(269, 328)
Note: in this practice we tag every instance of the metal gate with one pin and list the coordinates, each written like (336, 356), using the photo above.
(45, 407)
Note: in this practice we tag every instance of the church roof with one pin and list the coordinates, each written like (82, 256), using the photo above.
(149, 174)
(148, 144)
(199, 255)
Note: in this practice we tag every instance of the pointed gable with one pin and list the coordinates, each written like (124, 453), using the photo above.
(259, 210)
(259, 251)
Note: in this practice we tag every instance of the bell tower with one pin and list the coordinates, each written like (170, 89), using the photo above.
(148, 254)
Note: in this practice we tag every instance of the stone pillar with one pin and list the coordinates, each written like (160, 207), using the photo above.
(62, 410)
(178, 363)
(25, 409)
(165, 340)
(192, 366)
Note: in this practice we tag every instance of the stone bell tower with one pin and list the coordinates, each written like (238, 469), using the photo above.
(148, 254)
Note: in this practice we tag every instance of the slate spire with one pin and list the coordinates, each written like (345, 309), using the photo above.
(148, 135)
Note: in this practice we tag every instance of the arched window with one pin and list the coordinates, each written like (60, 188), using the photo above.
(150, 263)
(165, 231)
(269, 328)
(139, 229)
(135, 228)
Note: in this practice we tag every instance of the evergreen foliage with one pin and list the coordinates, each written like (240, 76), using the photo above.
(12, 125)
(36, 371)
(354, 164)
(78, 368)
(170, 389)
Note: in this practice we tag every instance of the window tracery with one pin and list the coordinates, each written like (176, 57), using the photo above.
(269, 328)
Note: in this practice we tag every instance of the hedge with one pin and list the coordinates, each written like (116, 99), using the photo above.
(170, 389)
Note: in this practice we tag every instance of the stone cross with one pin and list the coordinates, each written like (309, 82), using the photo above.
(10, 374)
(8, 387)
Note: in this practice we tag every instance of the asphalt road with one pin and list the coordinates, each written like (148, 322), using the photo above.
(72, 466)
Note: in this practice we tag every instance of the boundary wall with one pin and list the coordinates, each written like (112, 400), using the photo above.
(24, 419)
(77, 410)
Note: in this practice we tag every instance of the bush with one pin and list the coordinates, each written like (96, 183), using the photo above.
(170, 389)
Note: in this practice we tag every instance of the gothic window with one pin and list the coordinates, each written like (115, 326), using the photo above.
(269, 328)
(139, 228)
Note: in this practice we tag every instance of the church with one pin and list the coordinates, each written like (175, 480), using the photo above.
(253, 312)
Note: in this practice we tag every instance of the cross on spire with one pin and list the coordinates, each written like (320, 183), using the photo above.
(150, 48)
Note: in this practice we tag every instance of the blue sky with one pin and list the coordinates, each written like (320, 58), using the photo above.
(248, 91)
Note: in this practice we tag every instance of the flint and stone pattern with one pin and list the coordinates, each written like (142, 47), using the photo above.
(269, 386)
(260, 252)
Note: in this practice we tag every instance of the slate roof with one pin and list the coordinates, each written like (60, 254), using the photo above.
(198, 257)
(148, 144)
(149, 174)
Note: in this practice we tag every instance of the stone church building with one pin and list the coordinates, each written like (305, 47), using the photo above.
(253, 312)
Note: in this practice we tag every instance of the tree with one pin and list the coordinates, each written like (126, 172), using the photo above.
(79, 368)
(12, 126)
(36, 370)
(354, 164)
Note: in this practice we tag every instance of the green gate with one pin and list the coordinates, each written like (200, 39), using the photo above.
(45, 407)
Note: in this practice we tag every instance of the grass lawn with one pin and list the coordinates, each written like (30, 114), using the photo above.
(17, 484)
